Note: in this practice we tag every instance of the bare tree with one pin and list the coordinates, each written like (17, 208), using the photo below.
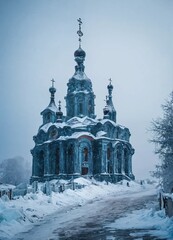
(162, 130)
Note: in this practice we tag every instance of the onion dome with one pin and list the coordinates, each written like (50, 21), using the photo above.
(110, 88)
(79, 53)
(105, 110)
(59, 114)
(52, 90)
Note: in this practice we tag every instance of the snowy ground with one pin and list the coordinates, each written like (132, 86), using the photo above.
(150, 221)
(22, 214)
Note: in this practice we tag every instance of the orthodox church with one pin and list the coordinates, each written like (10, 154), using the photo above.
(78, 144)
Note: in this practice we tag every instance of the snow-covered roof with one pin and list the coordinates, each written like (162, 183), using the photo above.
(101, 133)
(4, 186)
(76, 135)
(76, 122)
(80, 134)
(81, 91)
(103, 121)
(80, 76)
(51, 107)
(46, 126)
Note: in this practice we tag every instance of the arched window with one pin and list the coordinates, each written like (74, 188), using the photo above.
(48, 117)
(85, 154)
(119, 156)
(80, 107)
(108, 153)
(90, 106)
(70, 155)
(41, 164)
(126, 163)
(71, 106)
(84, 170)
(108, 159)
(57, 161)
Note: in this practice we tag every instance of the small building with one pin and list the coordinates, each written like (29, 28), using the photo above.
(6, 189)
(78, 144)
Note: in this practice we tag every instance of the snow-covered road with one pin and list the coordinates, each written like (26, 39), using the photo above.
(91, 220)
(97, 211)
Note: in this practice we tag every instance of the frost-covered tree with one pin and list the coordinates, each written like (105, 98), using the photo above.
(14, 171)
(162, 129)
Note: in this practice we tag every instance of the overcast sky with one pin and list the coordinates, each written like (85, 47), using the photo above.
(130, 41)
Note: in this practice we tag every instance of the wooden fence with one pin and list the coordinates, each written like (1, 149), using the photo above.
(46, 188)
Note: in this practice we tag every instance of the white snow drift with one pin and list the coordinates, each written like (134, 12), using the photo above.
(21, 214)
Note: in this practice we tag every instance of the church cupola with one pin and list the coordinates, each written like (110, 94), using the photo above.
(49, 113)
(109, 110)
(106, 110)
(59, 114)
(80, 96)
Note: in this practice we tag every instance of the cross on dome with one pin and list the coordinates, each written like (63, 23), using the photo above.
(53, 81)
(79, 32)
(59, 105)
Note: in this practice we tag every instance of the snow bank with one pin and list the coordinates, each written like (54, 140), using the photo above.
(144, 220)
(20, 214)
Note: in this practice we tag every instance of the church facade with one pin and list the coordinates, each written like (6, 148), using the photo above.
(78, 144)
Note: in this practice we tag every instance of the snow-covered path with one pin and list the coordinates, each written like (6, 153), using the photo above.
(97, 211)
(88, 221)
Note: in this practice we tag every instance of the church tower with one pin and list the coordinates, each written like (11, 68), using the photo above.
(109, 110)
(80, 96)
(49, 114)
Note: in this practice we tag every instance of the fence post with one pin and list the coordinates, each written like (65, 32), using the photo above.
(10, 194)
(35, 186)
(169, 206)
(48, 189)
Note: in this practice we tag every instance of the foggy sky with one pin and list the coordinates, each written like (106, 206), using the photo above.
(130, 41)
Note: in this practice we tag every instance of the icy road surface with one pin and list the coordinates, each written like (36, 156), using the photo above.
(91, 221)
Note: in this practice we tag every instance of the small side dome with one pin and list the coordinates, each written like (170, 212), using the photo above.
(52, 90)
(110, 86)
(79, 53)
(105, 110)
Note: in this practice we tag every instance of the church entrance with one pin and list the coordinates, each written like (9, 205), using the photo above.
(85, 156)
(84, 170)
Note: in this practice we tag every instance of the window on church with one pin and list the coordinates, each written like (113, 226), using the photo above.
(126, 161)
(70, 154)
(109, 163)
(90, 106)
(119, 160)
(84, 170)
(85, 153)
(48, 117)
(57, 161)
(41, 164)
(108, 154)
(80, 108)
(108, 166)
